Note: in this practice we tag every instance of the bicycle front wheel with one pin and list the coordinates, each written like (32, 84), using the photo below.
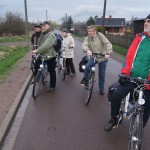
(33, 65)
(89, 89)
(37, 85)
(136, 131)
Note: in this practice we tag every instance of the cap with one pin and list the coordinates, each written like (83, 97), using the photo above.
(65, 30)
(46, 22)
(148, 17)
(37, 26)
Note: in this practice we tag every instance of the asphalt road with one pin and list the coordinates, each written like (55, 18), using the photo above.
(61, 121)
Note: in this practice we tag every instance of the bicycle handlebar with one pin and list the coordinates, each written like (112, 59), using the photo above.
(136, 80)
(98, 54)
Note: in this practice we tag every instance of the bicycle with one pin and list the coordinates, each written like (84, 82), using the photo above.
(40, 78)
(132, 108)
(62, 63)
(90, 80)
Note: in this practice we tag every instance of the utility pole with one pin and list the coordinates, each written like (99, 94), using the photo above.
(46, 15)
(104, 11)
(26, 17)
(66, 18)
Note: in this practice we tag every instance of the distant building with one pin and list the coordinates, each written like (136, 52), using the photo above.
(138, 25)
(112, 25)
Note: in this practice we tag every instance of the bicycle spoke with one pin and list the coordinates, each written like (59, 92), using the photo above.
(37, 85)
(89, 89)
(135, 132)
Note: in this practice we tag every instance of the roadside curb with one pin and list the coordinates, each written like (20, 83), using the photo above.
(4, 128)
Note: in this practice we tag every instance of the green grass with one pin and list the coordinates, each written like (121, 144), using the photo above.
(119, 50)
(13, 39)
(9, 56)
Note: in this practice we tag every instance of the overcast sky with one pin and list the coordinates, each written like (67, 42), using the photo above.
(79, 10)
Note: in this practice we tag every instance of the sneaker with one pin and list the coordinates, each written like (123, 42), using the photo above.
(83, 81)
(50, 89)
(110, 125)
(101, 92)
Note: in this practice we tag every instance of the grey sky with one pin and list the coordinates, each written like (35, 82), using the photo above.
(79, 10)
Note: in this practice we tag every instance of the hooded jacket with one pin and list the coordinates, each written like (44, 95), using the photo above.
(137, 62)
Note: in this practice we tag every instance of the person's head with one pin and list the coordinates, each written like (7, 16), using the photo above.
(91, 30)
(147, 24)
(37, 28)
(46, 25)
(64, 32)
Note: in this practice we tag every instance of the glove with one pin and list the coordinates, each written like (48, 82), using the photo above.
(122, 81)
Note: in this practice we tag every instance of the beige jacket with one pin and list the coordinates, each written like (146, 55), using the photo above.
(66, 43)
(98, 44)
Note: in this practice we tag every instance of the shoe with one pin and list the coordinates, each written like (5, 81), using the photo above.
(50, 89)
(111, 124)
(101, 92)
(83, 81)
(72, 75)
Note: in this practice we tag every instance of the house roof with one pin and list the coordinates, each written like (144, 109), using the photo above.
(110, 22)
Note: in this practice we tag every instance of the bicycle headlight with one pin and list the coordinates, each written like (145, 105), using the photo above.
(41, 66)
(83, 67)
(141, 101)
(93, 68)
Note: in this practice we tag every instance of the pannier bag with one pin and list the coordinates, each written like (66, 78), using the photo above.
(83, 63)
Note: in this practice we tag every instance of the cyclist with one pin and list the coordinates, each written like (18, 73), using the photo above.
(36, 36)
(137, 64)
(68, 43)
(97, 43)
(47, 40)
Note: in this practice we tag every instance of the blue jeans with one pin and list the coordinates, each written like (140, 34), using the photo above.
(101, 72)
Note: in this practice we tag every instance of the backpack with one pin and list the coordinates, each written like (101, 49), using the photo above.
(58, 42)
(82, 63)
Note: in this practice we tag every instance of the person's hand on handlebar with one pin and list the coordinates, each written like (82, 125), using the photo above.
(34, 51)
(107, 56)
(89, 53)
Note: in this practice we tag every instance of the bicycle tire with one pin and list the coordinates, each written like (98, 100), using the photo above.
(64, 69)
(33, 65)
(89, 88)
(37, 85)
(136, 131)
(45, 74)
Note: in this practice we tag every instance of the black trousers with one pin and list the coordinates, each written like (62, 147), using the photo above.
(120, 93)
(70, 66)
(51, 64)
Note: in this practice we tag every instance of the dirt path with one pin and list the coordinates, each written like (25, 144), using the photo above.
(13, 83)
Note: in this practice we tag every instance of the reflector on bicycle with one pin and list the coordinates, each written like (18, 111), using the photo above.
(141, 101)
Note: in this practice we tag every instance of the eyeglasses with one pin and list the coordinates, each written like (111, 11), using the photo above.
(147, 20)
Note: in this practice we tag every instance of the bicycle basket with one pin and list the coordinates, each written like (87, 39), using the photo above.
(83, 63)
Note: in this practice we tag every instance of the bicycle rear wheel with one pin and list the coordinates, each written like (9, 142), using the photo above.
(89, 89)
(64, 69)
(135, 131)
(37, 85)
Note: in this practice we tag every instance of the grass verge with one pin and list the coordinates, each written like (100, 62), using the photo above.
(13, 39)
(9, 56)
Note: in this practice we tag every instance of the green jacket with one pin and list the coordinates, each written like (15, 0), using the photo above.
(47, 40)
(98, 44)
